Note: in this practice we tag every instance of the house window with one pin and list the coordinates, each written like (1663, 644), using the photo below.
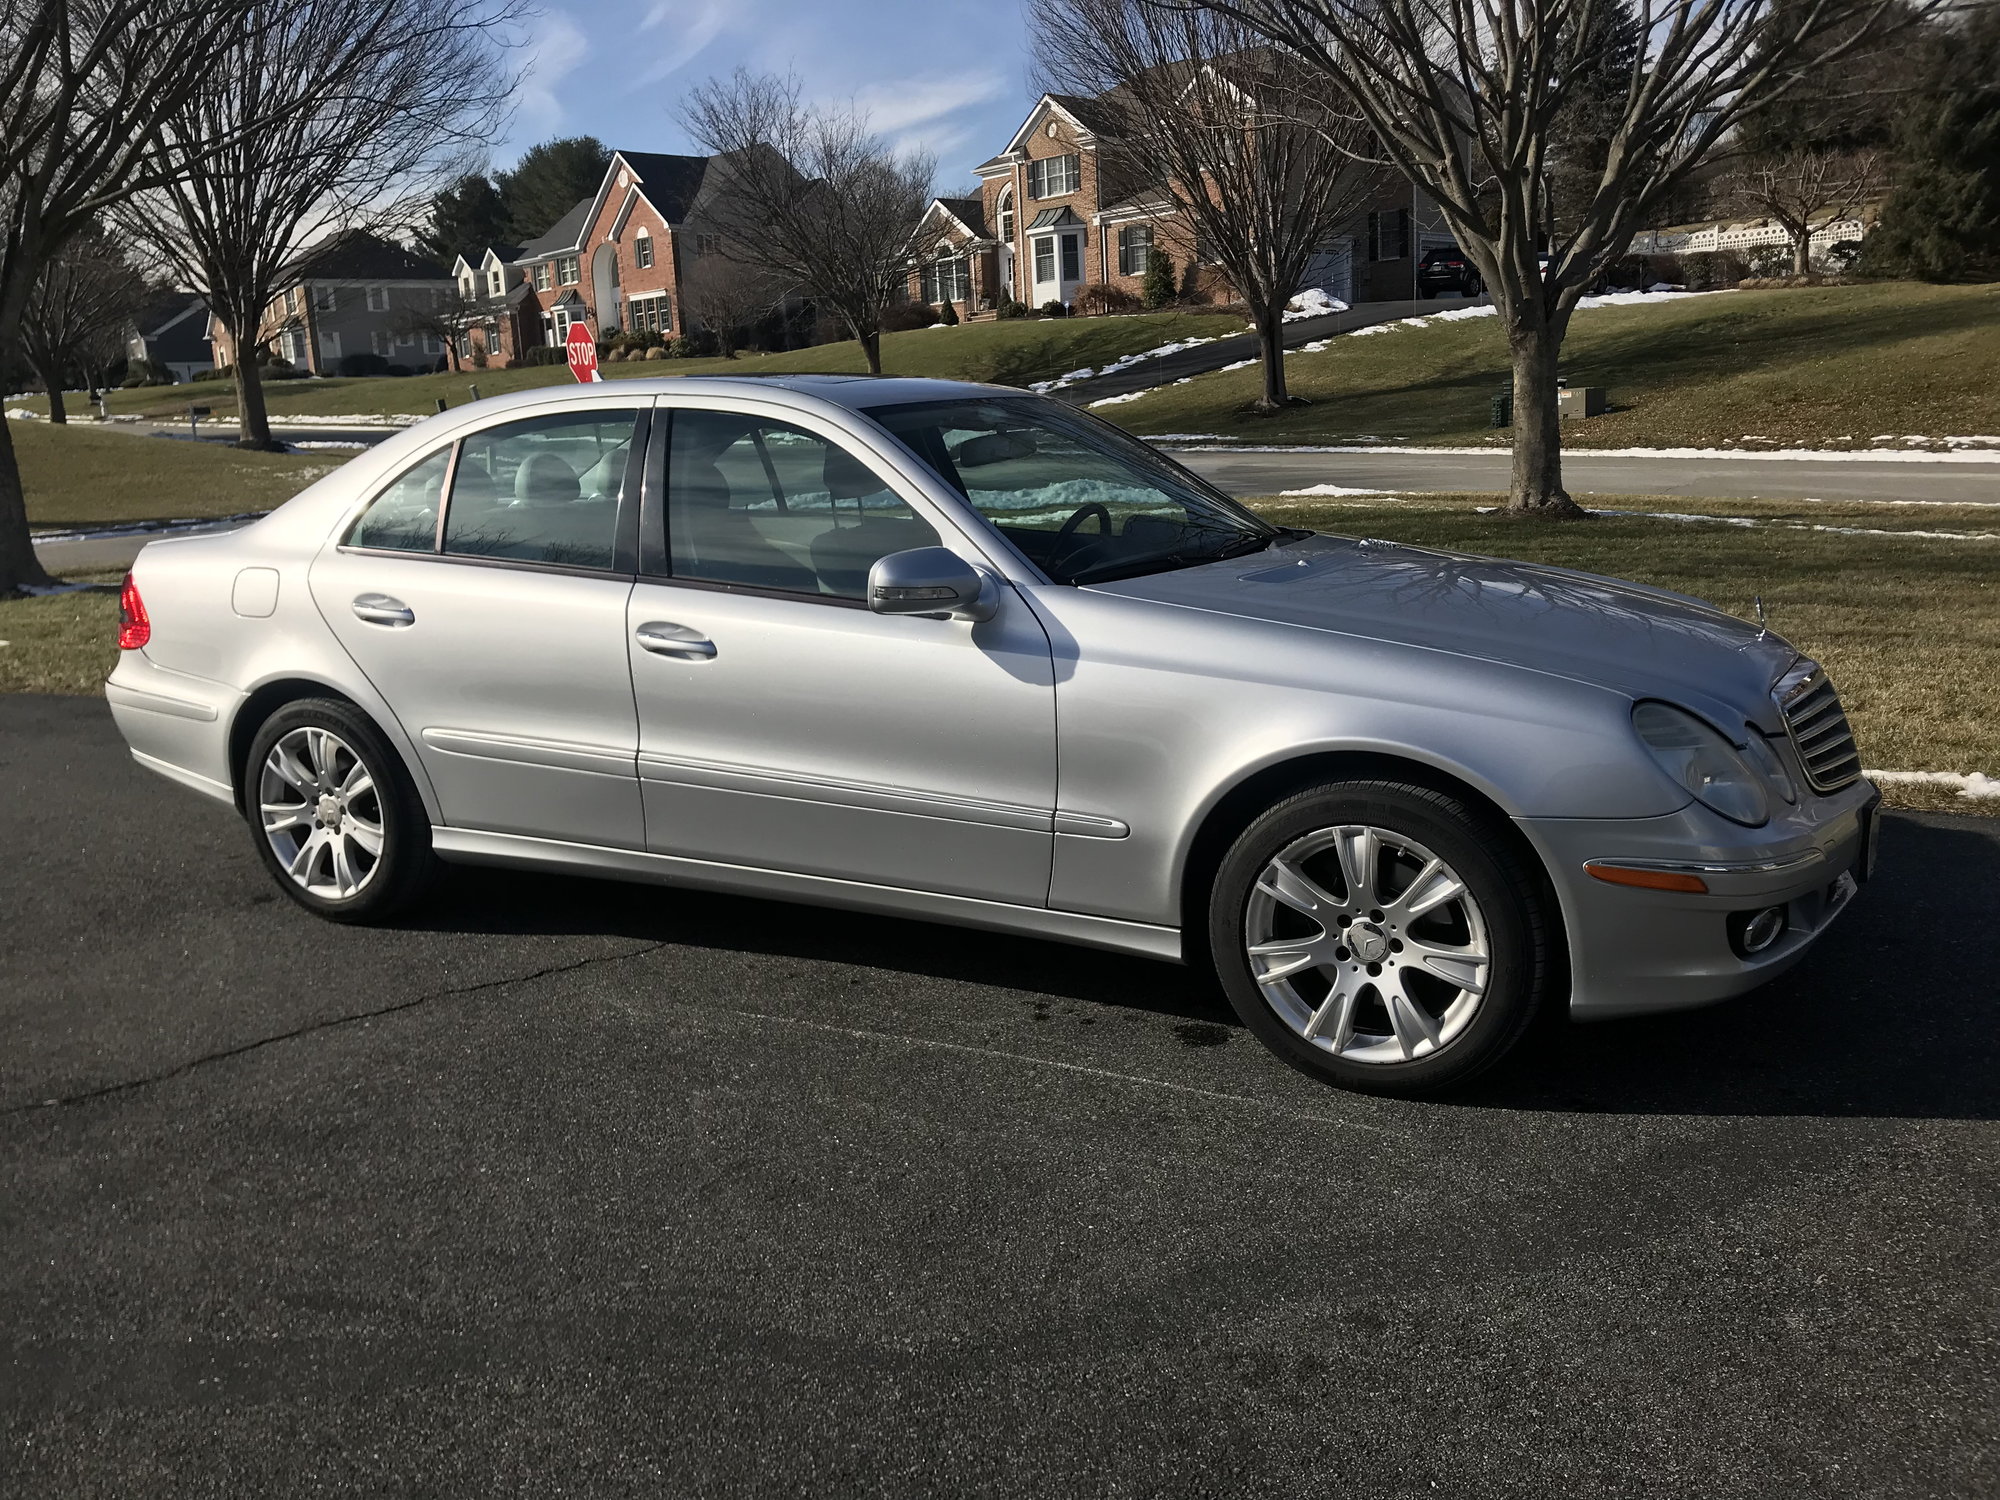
(378, 299)
(650, 314)
(1045, 258)
(378, 340)
(707, 244)
(465, 346)
(642, 251)
(465, 285)
(1007, 215)
(496, 282)
(1072, 257)
(1054, 176)
(542, 282)
(569, 270)
(323, 298)
(1135, 249)
(947, 279)
(1389, 234)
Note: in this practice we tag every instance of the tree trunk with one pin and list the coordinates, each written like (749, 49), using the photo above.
(1802, 253)
(871, 348)
(58, 412)
(1271, 350)
(1537, 487)
(18, 565)
(254, 424)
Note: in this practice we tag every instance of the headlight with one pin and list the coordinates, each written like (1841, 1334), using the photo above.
(1704, 762)
(1759, 753)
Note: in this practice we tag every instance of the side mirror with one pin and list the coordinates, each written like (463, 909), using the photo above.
(931, 581)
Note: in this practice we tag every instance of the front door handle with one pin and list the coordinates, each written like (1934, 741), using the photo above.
(380, 609)
(664, 638)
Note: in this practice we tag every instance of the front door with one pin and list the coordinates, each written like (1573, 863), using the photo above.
(784, 726)
(498, 638)
(1058, 267)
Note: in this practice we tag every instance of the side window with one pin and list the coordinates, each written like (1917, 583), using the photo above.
(543, 490)
(403, 518)
(764, 503)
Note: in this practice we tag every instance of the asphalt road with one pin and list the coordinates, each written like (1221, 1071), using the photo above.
(1584, 473)
(583, 1189)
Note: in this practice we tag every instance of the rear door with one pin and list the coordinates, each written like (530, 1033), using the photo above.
(483, 592)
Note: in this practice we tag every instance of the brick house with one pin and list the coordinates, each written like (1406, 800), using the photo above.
(1062, 208)
(355, 293)
(619, 259)
(496, 315)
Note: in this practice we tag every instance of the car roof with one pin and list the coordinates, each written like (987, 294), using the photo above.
(856, 392)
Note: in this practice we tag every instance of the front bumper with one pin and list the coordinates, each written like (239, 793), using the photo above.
(1634, 951)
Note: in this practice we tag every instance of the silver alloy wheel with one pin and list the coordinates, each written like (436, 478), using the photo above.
(1367, 944)
(321, 812)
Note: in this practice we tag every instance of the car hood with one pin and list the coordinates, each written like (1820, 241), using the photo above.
(1640, 641)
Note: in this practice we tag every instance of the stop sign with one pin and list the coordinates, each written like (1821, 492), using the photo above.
(582, 348)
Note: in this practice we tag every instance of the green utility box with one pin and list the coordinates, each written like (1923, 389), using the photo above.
(1580, 401)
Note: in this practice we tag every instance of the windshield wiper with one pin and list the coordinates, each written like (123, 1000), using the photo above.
(1160, 562)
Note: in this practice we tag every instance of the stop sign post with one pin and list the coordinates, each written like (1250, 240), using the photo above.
(582, 347)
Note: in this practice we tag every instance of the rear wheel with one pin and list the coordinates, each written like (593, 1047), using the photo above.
(334, 815)
(1374, 935)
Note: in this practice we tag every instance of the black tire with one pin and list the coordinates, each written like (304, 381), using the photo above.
(405, 867)
(1510, 900)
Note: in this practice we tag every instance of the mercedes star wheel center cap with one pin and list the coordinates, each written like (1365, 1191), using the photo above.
(1369, 943)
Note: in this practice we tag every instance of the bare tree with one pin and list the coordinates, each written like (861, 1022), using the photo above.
(728, 297)
(78, 313)
(1463, 95)
(808, 196)
(367, 104)
(86, 87)
(1805, 187)
(1228, 129)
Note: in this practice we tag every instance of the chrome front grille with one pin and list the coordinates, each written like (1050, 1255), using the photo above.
(1818, 727)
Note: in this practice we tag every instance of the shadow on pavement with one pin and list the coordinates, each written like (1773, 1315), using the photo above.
(1896, 1013)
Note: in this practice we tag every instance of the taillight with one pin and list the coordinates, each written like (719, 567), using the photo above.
(134, 629)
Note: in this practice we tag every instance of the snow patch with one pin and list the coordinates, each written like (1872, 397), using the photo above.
(1760, 522)
(1973, 784)
(1313, 302)
(1123, 362)
(1337, 489)
(1223, 443)
(22, 414)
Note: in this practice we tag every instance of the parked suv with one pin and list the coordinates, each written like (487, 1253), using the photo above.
(1446, 272)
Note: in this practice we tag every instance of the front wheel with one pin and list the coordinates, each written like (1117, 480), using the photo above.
(1376, 936)
(334, 815)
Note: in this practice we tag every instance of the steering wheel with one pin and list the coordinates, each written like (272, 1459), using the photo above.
(1066, 533)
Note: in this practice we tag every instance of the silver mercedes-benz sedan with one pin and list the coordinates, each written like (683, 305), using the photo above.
(964, 654)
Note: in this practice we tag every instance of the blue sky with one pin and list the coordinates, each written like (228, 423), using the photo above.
(950, 76)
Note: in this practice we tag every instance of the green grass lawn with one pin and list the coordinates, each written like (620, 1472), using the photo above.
(1016, 352)
(1908, 624)
(78, 476)
(1808, 367)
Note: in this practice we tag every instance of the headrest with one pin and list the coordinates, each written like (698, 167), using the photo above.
(544, 478)
(471, 484)
(846, 477)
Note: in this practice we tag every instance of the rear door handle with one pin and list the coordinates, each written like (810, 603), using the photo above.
(664, 638)
(380, 609)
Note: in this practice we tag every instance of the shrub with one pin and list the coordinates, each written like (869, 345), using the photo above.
(283, 369)
(1710, 270)
(479, 357)
(546, 354)
(1771, 260)
(1158, 287)
(1101, 298)
(948, 315)
(363, 363)
(399, 370)
(1054, 308)
(903, 316)
(212, 373)
(1009, 308)
(658, 351)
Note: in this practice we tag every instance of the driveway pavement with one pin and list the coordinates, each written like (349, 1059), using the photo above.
(584, 1189)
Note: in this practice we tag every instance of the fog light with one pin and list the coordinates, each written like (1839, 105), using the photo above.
(1751, 932)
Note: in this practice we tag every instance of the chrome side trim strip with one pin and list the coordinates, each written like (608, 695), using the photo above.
(470, 846)
(680, 771)
(563, 754)
(158, 703)
(1726, 867)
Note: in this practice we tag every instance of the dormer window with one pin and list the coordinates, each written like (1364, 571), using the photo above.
(496, 282)
(465, 284)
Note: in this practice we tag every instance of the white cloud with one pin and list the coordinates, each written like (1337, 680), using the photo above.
(898, 108)
(688, 26)
(556, 48)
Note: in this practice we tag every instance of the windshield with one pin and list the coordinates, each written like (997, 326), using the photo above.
(1085, 502)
